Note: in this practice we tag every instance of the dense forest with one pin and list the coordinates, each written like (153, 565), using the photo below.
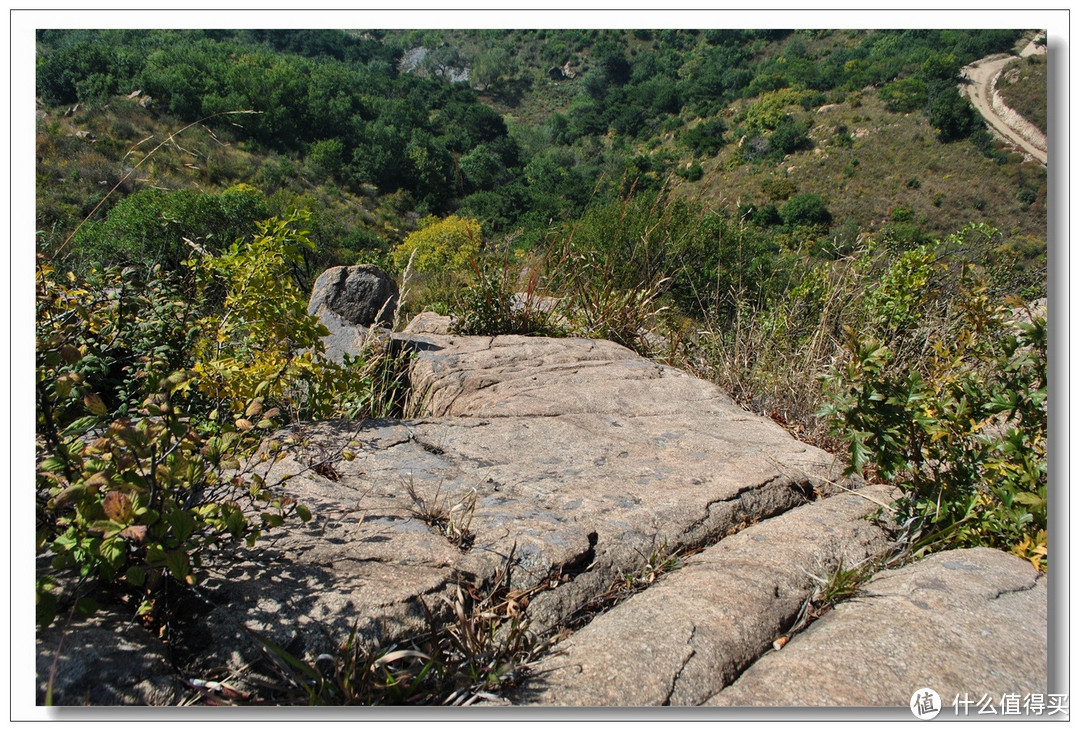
(817, 221)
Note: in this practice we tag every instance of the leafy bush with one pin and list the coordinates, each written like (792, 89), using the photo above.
(963, 433)
(778, 188)
(129, 491)
(941, 390)
(152, 399)
(704, 139)
(789, 136)
(806, 209)
(904, 95)
(495, 306)
(440, 245)
(150, 227)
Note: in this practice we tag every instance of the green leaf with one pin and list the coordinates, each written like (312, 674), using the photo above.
(183, 524)
(179, 566)
(86, 605)
(95, 404)
(135, 576)
(45, 609)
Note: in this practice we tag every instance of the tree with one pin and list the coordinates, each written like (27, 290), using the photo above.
(904, 95)
(951, 114)
(327, 158)
(481, 168)
(493, 69)
(789, 136)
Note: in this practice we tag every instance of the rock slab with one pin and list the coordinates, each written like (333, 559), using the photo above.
(966, 621)
(575, 458)
(685, 637)
(105, 659)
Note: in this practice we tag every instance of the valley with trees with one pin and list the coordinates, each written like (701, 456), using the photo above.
(816, 221)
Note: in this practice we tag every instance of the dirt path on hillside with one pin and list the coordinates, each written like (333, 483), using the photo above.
(1005, 122)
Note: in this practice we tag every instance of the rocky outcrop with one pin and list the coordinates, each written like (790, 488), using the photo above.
(576, 457)
(683, 639)
(557, 468)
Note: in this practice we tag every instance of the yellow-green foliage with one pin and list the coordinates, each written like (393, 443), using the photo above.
(129, 485)
(264, 344)
(770, 110)
(151, 400)
(954, 413)
(441, 245)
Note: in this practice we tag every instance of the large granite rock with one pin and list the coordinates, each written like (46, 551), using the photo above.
(582, 456)
(687, 636)
(360, 295)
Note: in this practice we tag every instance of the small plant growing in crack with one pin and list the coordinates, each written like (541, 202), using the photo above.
(661, 560)
(841, 584)
(453, 521)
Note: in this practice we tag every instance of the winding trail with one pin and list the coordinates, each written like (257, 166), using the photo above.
(980, 78)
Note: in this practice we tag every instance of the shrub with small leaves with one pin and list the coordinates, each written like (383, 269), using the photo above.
(440, 245)
(492, 306)
(152, 399)
(962, 430)
(129, 492)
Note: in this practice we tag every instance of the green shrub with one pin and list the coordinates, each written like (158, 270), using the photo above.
(806, 209)
(129, 490)
(904, 95)
(789, 136)
(441, 245)
(151, 400)
(705, 138)
(778, 188)
(495, 306)
(953, 412)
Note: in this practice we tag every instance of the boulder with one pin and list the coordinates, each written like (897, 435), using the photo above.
(359, 295)
(574, 458)
(349, 301)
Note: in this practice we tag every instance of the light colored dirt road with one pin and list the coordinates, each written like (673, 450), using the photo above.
(981, 76)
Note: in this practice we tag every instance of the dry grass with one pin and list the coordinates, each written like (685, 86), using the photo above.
(1022, 86)
(867, 181)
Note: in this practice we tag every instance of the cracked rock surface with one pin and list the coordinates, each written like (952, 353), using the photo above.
(965, 621)
(583, 459)
(681, 640)
(566, 464)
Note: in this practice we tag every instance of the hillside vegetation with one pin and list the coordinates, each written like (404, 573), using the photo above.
(815, 220)
(1022, 86)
